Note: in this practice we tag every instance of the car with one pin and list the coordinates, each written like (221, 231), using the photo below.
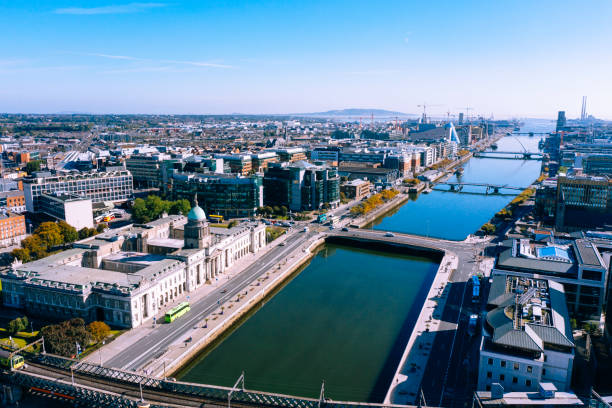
(345, 229)
(305, 229)
(389, 234)
(331, 227)
(282, 243)
(224, 291)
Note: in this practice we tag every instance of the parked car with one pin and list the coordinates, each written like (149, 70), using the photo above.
(389, 234)
(345, 229)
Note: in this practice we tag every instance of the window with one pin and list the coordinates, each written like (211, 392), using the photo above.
(545, 358)
(516, 366)
(502, 377)
(514, 380)
(490, 361)
(502, 363)
(543, 371)
(489, 374)
(529, 369)
(488, 387)
(528, 383)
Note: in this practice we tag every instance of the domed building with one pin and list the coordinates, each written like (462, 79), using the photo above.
(197, 231)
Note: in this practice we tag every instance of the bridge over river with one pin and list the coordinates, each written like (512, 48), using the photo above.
(457, 186)
(510, 155)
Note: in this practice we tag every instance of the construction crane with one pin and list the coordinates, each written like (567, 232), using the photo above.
(424, 106)
(467, 112)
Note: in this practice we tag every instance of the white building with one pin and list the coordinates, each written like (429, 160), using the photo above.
(127, 276)
(527, 337)
(71, 208)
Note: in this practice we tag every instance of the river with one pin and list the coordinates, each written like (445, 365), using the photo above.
(344, 319)
(453, 215)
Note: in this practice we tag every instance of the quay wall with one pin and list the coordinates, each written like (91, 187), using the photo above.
(232, 317)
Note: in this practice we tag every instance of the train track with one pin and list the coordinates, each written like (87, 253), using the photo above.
(128, 390)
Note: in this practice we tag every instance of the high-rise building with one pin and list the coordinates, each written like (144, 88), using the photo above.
(561, 120)
(147, 169)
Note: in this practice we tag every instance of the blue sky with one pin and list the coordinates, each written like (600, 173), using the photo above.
(509, 58)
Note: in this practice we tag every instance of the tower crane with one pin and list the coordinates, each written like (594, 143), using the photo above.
(424, 106)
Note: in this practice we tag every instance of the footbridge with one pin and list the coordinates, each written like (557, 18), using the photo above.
(94, 385)
(457, 186)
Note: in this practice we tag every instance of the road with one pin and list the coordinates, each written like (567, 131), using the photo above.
(139, 354)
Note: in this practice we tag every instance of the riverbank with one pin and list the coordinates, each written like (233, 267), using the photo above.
(228, 313)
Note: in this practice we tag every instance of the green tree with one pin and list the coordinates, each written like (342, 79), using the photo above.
(488, 228)
(283, 211)
(180, 207)
(68, 232)
(101, 227)
(50, 234)
(83, 233)
(32, 166)
(140, 213)
(17, 325)
(156, 206)
(62, 338)
(232, 224)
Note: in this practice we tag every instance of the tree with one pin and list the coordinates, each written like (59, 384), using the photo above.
(32, 166)
(283, 211)
(22, 254)
(99, 331)
(35, 246)
(140, 213)
(232, 224)
(488, 228)
(17, 325)
(50, 234)
(180, 207)
(101, 227)
(156, 206)
(62, 338)
(68, 232)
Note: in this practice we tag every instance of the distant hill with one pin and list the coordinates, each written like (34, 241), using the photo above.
(358, 112)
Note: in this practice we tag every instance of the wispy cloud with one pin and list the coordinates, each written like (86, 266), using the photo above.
(116, 9)
(202, 64)
(374, 72)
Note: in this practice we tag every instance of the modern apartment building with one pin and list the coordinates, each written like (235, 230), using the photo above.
(112, 186)
(239, 163)
(260, 161)
(223, 194)
(301, 186)
(527, 337)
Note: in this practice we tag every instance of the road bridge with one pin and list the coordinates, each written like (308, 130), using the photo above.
(510, 155)
(457, 186)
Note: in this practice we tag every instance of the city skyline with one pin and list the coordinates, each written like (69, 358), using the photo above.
(181, 57)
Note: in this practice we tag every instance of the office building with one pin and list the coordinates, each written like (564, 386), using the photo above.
(221, 194)
(75, 210)
(12, 228)
(561, 121)
(291, 155)
(581, 266)
(147, 169)
(111, 186)
(327, 153)
(13, 201)
(238, 163)
(356, 189)
(301, 186)
(128, 276)
(527, 337)
(260, 161)
(380, 177)
(583, 202)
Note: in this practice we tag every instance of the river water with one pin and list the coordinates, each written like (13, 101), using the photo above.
(451, 215)
(344, 319)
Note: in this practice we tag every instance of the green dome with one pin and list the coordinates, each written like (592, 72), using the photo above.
(196, 214)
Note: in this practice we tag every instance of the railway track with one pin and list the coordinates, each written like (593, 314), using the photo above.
(132, 391)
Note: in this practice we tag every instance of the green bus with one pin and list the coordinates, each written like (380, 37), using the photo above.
(12, 363)
(176, 312)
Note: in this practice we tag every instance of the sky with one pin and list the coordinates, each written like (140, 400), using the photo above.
(506, 58)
